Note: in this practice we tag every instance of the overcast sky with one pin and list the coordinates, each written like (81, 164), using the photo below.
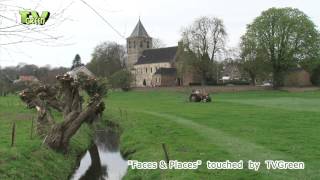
(162, 19)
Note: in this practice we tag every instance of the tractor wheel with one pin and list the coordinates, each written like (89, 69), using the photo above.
(193, 98)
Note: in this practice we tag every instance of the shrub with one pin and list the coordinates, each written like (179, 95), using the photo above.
(194, 84)
(315, 76)
(121, 79)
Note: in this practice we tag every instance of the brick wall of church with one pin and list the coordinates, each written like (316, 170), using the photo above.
(164, 80)
(144, 72)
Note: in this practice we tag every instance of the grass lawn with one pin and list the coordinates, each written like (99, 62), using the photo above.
(28, 159)
(264, 125)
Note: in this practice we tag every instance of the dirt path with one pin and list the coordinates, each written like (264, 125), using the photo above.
(241, 149)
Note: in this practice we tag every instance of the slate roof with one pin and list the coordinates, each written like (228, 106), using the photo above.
(81, 69)
(139, 31)
(166, 71)
(159, 55)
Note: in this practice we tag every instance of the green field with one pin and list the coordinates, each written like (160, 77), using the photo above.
(28, 159)
(261, 125)
(265, 125)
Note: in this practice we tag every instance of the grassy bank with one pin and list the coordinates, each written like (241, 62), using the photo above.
(28, 159)
(257, 126)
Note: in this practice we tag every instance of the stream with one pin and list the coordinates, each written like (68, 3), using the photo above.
(103, 161)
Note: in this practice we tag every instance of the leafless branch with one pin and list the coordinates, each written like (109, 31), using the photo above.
(17, 33)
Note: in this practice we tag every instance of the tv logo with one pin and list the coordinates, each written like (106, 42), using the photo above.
(32, 17)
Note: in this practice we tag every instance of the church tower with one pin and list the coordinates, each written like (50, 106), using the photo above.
(137, 42)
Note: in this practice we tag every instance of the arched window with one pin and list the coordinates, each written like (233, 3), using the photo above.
(141, 44)
(151, 69)
(146, 70)
(129, 42)
(148, 45)
(134, 44)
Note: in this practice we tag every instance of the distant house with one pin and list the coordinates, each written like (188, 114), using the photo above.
(74, 73)
(231, 72)
(297, 77)
(26, 79)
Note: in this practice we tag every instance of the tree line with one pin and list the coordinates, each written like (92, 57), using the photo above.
(277, 41)
(9, 75)
(107, 63)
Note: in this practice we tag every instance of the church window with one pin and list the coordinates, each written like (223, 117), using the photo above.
(146, 70)
(148, 45)
(141, 45)
(129, 44)
(134, 44)
(151, 69)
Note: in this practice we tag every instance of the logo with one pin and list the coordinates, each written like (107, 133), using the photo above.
(32, 17)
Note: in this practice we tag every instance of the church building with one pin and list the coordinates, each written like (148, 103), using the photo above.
(150, 67)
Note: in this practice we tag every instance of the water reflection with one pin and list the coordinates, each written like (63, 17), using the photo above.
(103, 160)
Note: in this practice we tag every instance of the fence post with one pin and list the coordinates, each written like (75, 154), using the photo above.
(126, 115)
(120, 113)
(165, 153)
(31, 131)
(13, 135)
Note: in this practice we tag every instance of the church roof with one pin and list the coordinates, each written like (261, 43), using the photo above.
(166, 71)
(139, 31)
(159, 55)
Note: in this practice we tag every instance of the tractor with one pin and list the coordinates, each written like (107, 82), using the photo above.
(199, 96)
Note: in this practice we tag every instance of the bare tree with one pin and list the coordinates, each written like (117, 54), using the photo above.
(67, 100)
(157, 43)
(14, 32)
(206, 36)
(206, 39)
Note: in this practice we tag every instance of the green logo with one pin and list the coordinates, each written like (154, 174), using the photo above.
(32, 17)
